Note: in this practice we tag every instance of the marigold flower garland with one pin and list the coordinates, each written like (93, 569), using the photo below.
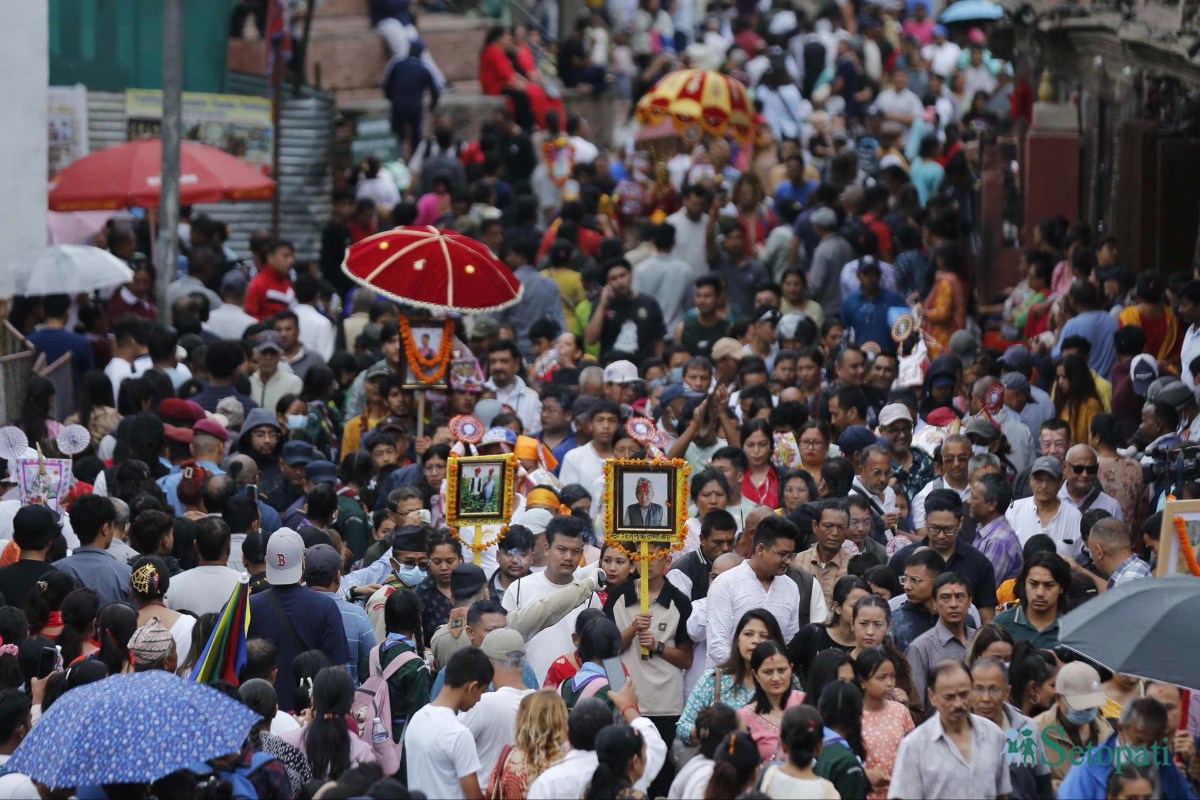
(610, 492)
(420, 365)
(1185, 546)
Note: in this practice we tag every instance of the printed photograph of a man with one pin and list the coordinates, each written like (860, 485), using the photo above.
(645, 512)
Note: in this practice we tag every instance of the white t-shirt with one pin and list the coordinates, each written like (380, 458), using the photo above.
(441, 752)
(690, 239)
(202, 590)
(493, 723)
(14, 784)
(584, 467)
(551, 642)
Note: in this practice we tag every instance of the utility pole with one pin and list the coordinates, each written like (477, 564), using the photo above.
(172, 113)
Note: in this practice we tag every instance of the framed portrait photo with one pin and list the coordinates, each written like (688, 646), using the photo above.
(426, 344)
(644, 498)
(1171, 558)
(480, 490)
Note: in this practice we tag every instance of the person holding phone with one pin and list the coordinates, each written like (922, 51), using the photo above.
(662, 631)
(600, 642)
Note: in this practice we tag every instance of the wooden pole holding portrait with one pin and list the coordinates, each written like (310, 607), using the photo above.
(645, 501)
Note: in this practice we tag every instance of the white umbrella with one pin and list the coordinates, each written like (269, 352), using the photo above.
(63, 268)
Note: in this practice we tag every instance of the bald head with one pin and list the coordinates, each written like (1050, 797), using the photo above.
(1111, 534)
(1081, 454)
(980, 387)
(754, 518)
(726, 561)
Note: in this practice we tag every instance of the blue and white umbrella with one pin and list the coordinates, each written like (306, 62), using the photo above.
(132, 728)
(971, 11)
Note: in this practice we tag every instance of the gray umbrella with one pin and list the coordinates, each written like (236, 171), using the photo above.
(1144, 627)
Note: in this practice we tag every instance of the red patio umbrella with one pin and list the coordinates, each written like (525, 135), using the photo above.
(127, 175)
(422, 266)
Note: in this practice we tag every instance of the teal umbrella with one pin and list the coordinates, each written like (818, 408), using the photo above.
(1144, 627)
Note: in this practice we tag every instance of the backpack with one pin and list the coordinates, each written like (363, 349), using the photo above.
(372, 700)
(239, 776)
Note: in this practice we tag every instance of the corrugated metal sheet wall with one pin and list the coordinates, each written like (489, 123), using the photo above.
(306, 131)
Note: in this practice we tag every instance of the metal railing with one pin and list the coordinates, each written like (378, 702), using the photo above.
(16, 365)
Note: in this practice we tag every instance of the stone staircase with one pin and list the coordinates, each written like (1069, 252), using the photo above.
(347, 57)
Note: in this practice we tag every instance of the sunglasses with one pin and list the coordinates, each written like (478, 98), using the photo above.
(1079, 469)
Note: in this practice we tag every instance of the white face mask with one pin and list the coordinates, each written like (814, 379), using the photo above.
(977, 449)
(296, 421)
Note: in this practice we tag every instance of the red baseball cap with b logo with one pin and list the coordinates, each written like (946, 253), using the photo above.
(285, 557)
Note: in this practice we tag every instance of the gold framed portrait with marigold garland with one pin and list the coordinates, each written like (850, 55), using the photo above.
(479, 489)
(645, 500)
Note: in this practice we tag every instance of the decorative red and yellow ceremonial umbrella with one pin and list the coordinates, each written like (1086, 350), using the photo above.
(715, 103)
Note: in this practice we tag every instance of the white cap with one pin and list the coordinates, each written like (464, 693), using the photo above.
(894, 412)
(620, 372)
(285, 557)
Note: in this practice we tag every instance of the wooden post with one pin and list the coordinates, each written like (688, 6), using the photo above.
(644, 589)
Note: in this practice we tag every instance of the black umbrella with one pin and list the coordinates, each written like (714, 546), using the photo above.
(1145, 627)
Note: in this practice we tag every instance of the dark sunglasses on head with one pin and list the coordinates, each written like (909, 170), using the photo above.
(1079, 469)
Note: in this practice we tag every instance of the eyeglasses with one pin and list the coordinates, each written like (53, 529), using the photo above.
(787, 555)
(421, 563)
(810, 444)
(899, 428)
(905, 580)
(994, 692)
(1079, 469)
(942, 530)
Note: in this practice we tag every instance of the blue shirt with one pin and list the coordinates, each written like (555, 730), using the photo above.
(789, 191)
(56, 342)
(209, 396)
(1088, 780)
(317, 621)
(170, 484)
(99, 571)
(1099, 328)
(869, 318)
(360, 636)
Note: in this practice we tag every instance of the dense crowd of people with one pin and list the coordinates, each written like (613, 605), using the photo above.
(887, 516)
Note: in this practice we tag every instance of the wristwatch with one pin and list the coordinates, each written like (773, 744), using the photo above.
(659, 648)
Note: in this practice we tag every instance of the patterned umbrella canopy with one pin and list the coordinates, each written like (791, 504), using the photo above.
(132, 728)
(422, 266)
(715, 103)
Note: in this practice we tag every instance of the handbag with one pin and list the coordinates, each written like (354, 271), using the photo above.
(682, 753)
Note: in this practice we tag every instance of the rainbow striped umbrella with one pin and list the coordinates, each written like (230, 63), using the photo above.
(716, 103)
(224, 654)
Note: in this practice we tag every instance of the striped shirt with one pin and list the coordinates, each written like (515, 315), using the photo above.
(999, 543)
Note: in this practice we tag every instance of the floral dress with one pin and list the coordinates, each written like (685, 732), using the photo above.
(1121, 477)
(881, 735)
(703, 695)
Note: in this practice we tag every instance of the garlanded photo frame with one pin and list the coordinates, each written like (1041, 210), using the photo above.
(428, 344)
(1179, 539)
(645, 500)
(479, 490)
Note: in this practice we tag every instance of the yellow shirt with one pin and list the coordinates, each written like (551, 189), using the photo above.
(570, 288)
(353, 433)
